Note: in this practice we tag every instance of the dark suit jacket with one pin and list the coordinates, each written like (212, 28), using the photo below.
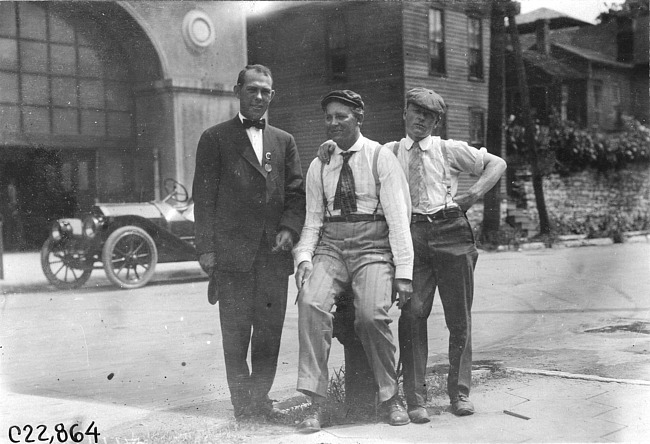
(236, 200)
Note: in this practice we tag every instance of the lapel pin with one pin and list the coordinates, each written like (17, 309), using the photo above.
(268, 156)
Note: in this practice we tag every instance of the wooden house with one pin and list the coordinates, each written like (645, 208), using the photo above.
(380, 50)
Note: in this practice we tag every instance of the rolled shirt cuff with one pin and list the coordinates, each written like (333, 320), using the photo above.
(404, 272)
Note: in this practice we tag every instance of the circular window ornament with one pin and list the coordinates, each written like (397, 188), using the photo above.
(198, 30)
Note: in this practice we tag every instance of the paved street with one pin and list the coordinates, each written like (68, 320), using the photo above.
(158, 348)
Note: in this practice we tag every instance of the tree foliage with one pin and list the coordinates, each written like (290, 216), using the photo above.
(565, 147)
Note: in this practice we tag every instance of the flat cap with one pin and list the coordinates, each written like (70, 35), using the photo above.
(344, 96)
(427, 99)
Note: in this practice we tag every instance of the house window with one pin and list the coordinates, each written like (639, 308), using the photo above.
(564, 103)
(475, 47)
(337, 42)
(436, 42)
(477, 127)
(598, 102)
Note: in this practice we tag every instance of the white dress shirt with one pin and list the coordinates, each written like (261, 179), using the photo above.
(462, 158)
(256, 136)
(394, 198)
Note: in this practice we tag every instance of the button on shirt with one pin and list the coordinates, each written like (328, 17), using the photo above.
(256, 136)
(462, 158)
(394, 197)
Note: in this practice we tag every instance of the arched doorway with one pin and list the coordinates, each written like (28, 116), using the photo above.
(68, 120)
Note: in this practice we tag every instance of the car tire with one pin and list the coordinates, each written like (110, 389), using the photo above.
(129, 257)
(64, 266)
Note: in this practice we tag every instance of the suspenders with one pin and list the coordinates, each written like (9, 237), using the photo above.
(446, 175)
(375, 174)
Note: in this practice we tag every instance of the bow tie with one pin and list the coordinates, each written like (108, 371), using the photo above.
(259, 124)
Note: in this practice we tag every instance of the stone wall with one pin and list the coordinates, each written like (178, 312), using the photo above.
(591, 197)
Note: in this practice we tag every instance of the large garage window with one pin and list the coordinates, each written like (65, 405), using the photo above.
(55, 79)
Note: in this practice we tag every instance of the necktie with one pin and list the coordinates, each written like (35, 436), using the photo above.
(415, 174)
(259, 124)
(345, 197)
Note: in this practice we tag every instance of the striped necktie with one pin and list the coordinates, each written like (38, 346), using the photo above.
(345, 198)
(416, 181)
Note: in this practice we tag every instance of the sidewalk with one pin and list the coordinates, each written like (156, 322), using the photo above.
(525, 406)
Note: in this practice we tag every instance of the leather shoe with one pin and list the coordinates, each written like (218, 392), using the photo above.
(313, 421)
(418, 414)
(462, 406)
(395, 412)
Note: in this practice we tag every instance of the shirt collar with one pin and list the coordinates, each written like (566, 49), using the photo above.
(425, 143)
(361, 141)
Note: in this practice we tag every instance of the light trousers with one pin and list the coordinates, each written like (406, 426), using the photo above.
(352, 256)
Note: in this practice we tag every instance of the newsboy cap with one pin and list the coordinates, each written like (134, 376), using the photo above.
(344, 96)
(427, 99)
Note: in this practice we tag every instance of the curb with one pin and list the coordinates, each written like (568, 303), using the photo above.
(579, 376)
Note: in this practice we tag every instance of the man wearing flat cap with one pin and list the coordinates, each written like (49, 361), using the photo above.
(443, 243)
(356, 238)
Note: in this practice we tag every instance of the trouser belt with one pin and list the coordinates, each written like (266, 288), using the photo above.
(450, 213)
(356, 218)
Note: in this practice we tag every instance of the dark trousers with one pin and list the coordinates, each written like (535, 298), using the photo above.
(445, 257)
(252, 306)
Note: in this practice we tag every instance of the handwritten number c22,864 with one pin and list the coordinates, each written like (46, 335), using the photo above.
(62, 435)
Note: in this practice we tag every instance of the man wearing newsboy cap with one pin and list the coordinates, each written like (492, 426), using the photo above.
(445, 253)
(356, 237)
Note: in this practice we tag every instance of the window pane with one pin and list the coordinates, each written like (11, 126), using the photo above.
(65, 121)
(90, 64)
(36, 120)
(35, 90)
(119, 124)
(93, 123)
(7, 19)
(64, 59)
(436, 42)
(32, 21)
(8, 54)
(115, 66)
(118, 96)
(91, 94)
(66, 176)
(8, 87)
(64, 91)
(33, 56)
(83, 182)
(61, 30)
(337, 38)
(9, 118)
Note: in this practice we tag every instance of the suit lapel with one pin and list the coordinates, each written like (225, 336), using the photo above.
(246, 149)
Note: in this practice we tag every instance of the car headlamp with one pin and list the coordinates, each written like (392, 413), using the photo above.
(60, 230)
(91, 226)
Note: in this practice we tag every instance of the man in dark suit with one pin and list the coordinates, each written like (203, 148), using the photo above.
(249, 208)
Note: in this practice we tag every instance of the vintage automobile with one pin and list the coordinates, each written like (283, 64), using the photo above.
(126, 239)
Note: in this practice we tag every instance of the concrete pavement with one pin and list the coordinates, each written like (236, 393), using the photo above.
(522, 407)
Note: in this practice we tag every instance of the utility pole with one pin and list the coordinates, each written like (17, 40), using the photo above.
(538, 184)
(496, 117)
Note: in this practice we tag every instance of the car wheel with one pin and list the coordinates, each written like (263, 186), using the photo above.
(64, 265)
(129, 257)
